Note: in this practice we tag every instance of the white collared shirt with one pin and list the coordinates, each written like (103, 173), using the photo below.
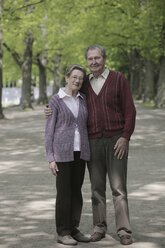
(97, 83)
(73, 104)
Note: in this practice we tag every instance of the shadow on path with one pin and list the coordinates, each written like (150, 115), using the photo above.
(28, 189)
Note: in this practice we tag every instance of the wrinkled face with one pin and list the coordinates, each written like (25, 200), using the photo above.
(75, 80)
(96, 62)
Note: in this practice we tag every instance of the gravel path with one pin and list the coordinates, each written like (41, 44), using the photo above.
(27, 188)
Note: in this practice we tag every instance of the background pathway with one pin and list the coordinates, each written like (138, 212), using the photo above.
(27, 188)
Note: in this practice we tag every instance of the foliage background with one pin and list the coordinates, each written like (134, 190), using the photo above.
(132, 32)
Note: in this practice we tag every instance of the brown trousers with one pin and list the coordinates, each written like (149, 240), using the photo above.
(104, 162)
(69, 197)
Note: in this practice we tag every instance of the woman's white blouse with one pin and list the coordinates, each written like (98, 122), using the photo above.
(73, 104)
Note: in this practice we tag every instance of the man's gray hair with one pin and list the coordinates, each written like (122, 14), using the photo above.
(103, 53)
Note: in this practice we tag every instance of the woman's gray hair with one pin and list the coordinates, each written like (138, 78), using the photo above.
(70, 68)
(103, 53)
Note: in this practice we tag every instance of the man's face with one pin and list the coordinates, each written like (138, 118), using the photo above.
(96, 63)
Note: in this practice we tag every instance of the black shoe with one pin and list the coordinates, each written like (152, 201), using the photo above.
(97, 236)
(80, 237)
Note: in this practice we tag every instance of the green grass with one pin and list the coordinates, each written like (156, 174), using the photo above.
(148, 104)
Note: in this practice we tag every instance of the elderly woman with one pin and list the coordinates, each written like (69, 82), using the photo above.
(67, 149)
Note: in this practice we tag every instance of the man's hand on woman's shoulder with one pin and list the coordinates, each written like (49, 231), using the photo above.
(48, 111)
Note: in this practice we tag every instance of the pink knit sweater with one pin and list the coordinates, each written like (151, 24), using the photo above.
(60, 130)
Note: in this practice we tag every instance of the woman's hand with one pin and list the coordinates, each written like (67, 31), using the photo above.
(54, 168)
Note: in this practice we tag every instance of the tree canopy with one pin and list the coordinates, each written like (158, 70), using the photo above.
(132, 32)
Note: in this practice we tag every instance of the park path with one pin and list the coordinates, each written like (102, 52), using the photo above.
(27, 188)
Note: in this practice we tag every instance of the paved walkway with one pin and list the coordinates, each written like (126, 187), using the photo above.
(27, 188)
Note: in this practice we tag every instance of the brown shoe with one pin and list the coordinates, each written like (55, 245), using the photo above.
(126, 240)
(97, 236)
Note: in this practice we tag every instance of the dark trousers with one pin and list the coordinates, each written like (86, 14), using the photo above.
(104, 162)
(69, 197)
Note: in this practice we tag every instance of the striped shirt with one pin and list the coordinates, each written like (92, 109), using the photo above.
(97, 83)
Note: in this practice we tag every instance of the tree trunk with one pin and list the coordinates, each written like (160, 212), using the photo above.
(160, 97)
(41, 62)
(141, 79)
(26, 73)
(56, 84)
(149, 81)
(134, 72)
(1, 68)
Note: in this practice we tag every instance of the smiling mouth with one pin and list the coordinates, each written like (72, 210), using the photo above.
(94, 66)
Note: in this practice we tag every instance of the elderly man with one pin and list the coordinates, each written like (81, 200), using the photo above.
(111, 122)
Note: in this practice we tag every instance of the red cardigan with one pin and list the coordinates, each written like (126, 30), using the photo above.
(112, 111)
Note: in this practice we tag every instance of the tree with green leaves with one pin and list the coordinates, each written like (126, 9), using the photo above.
(22, 25)
(57, 33)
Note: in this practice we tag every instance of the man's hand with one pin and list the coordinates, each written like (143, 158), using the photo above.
(54, 168)
(121, 148)
(48, 111)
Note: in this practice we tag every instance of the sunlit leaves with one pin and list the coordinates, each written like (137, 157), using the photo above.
(67, 27)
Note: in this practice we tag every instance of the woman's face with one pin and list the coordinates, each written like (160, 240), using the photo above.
(75, 80)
